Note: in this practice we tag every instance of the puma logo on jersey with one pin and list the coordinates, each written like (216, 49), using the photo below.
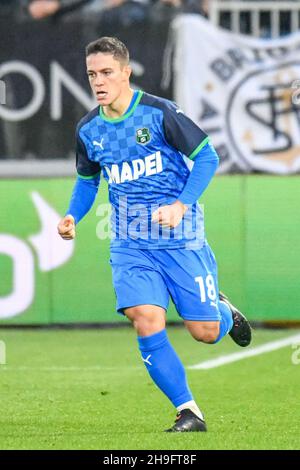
(135, 169)
(99, 144)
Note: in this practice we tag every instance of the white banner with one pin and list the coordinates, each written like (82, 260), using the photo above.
(243, 92)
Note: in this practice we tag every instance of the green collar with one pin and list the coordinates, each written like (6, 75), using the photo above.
(124, 116)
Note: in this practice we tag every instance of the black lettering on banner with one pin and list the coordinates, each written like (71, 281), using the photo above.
(222, 69)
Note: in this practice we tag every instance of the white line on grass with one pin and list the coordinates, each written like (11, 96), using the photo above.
(264, 348)
(63, 368)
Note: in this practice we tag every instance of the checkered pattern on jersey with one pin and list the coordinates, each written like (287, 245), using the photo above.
(121, 136)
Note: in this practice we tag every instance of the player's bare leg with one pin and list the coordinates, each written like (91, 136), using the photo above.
(146, 319)
(204, 331)
(209, 331)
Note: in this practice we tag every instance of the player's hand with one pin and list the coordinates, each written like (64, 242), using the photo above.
(66, 228)
(171, 215)
(39, 9)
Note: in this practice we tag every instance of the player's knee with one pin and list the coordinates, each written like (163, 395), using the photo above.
(146, 321)
(208, 337)
(204, 333)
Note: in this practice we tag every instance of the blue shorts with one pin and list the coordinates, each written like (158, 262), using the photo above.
(151, 277)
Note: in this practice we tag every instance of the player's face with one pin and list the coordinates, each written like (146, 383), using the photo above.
(107, 76)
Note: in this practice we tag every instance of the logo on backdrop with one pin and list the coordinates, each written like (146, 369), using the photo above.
(266, 137)
(51, 252)
(243, 95)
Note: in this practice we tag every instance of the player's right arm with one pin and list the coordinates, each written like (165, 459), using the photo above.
(84, 192)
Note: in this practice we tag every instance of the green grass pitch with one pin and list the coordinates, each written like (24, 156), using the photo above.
(88, 389)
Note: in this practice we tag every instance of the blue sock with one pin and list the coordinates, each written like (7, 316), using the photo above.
(165, 367)
(226, 322)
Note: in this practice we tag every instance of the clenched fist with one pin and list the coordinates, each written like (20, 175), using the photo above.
(66, 227)
(170, 215)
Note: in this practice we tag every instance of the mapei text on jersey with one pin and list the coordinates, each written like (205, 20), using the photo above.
(135, 169)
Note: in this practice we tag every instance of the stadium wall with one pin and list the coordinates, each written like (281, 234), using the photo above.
(252, 224)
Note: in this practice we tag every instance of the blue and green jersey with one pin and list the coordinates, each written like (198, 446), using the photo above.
(146, 157)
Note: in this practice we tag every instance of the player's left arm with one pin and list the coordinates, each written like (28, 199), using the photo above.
(183, 134)
(205, 165)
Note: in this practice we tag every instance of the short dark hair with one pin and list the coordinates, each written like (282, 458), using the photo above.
(109, 45)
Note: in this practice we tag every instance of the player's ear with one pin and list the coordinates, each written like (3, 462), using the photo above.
(127, 71)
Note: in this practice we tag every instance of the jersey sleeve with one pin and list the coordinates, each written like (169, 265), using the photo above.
(181, 132)
(86, 168)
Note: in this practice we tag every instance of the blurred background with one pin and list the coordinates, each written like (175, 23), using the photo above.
(232, 66)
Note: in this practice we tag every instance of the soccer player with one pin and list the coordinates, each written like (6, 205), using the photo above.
(157, 163)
